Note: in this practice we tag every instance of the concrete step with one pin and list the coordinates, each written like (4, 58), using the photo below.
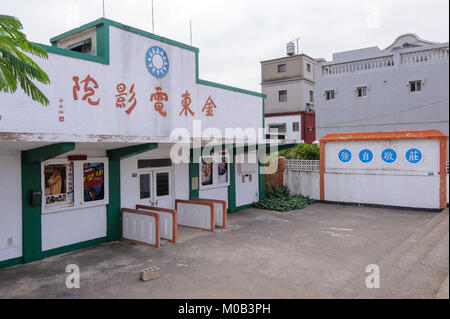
(419, 272)
(407, 254)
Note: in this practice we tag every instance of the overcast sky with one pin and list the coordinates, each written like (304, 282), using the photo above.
(235, 35)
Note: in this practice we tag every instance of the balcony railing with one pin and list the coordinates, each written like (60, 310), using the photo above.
(424, 56)
(413, 57)
(358, 66)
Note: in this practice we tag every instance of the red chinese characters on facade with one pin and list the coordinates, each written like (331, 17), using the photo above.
(159, 97)
(121, 97)
(89, 89)
(61, 111)
(208, 107)
(185, 102)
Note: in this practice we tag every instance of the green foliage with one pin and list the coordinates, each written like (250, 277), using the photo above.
(275, 192)
(279, 199)
(302, 151)
(15, 66)
(284, 204)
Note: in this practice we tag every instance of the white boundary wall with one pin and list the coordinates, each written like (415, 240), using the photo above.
(302, 177)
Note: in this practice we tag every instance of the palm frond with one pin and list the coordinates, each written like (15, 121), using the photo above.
(7, 21)
(26, 65)
(31, 89)
(15, 65)
(8, 81)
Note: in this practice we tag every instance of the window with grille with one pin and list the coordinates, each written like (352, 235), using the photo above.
(415, 86)
(282, 96)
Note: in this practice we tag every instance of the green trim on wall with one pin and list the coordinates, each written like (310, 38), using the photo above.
(31, 216)
(124, 152)
(73, 54)
(232, 186)
(113, 208)
(77, 246)
(261, 181)
(40, 154)
(193, 172)
(103, 25)
(31, 180)
(102, 34)
(113, 228)
(238, 208)
(11, 262)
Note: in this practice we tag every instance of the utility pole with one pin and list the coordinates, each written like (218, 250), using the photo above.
(296, 40)
(190, 30)
(153, 20)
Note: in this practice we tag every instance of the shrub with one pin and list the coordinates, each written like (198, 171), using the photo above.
(275, 192)
(284, 204)
(302, 151)
(279, 199)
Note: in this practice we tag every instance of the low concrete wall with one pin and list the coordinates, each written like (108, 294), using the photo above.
(303, 183)
(220, 210)
(167, 220)
(195, 214)
(141, 227)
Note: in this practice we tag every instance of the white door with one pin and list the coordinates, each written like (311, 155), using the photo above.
(155, 188)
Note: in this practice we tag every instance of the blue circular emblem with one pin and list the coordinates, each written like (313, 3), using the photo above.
(365, 156)
(413, 155)
(157, 62)
(389, 155)
(345, 155)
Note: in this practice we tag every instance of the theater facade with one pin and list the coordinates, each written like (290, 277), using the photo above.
(120, 99)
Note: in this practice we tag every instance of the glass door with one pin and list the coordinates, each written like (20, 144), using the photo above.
(145, 188)
(163, 188)
(155, 188)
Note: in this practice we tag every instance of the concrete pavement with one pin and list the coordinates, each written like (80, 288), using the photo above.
(318, 252)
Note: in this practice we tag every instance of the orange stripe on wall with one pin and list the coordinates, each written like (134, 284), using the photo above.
(443, 174)
(322, 171)
(391, 135)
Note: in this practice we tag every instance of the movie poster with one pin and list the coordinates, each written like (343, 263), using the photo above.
(222, 170)
(58, 179)
(94, 181)
(207, 173)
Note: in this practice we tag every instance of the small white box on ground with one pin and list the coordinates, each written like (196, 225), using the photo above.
(149, 273)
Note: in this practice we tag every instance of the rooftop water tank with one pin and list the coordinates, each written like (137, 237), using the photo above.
(290, 48)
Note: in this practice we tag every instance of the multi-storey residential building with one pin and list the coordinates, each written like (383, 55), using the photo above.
(403, 87)
(288, 83)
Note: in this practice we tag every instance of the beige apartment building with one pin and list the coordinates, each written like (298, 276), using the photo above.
(289, 83)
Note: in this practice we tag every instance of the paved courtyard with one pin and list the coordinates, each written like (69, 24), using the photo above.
(318, 252)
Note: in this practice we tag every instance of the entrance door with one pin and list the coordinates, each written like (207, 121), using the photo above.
(162, 185)
(155, 188)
